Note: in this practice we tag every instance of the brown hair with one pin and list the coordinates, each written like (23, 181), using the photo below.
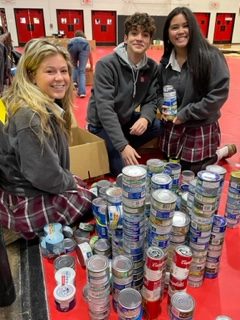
(142, 20)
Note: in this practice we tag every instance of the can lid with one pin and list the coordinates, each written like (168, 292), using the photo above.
(161, 178)
(64, 261)
(67, 231)
(101, 244)
(180, 219)
(134, 171)
(217, 169)
(183, 301)
(99, 202)
(122, 263)
(97, 263)
(104, 183)
(129, 298)
(155, 253)
(235, 174)
(69, 244)
(164, 196)
(64, 293)
(223, 317)
(54, 238)
(208, 176)
(183, 250)
(115, 192)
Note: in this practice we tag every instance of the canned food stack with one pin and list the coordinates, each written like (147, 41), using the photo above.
(182, 306)
(179, 232)
(117, 241)
(163, 203)
(173, 169)
(122, 271)
(169, 107)
(215, 247)
(154, 166)
(134, 195)
(204, 207)
(99, 208)
(179, 272)
(129, 305)
(222, 172)
(98, 287)
(232, 210)
(183, 199)
(152, 284)
(103, 184)
(191, 194)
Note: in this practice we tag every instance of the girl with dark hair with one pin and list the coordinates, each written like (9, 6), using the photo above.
(199, 74)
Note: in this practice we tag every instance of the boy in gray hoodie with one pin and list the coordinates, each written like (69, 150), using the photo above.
(125, 80)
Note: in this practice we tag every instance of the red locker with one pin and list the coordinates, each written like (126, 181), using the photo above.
(224, 28)
(203, 21)
(30, 24)
(104, 27)
(69, 21)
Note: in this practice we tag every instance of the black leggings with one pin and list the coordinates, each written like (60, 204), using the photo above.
(198, 166)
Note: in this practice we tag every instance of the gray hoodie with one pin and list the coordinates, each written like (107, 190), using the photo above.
(119, 88)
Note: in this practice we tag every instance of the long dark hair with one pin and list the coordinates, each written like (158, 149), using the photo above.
(198, 49)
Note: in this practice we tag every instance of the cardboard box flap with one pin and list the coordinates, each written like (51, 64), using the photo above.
(88, 154)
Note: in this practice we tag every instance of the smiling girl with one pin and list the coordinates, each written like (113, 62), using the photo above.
(199, 73)
(36, 186)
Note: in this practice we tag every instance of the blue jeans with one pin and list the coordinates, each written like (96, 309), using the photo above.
(79, 50)
(115, 159)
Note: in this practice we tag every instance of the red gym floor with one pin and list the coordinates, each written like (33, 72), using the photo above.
(215, 296)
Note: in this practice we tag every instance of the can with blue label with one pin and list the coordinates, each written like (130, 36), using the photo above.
(129, 304)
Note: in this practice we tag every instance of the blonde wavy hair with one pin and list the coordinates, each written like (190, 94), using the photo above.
(24, 93)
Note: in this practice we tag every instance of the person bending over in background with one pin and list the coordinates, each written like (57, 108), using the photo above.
(80, 53)
(199, 73)
(36, 186)
(125, 80)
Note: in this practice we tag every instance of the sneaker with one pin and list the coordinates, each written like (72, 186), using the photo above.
(232, 149)
(82, 95)
(75, 85)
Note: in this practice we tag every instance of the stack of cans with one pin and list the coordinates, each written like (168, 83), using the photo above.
(215, 247)
(182, 306)
(191, 194)
(173, 169)
(102, 247)
(179, 272)
(152, 286)
(204, 207)
(98, 287)
(134, 194)
(179, 232)
(222, 172)
(99, 208)
(154, 166)
(232, 210)
(122, 271)
(163, 203)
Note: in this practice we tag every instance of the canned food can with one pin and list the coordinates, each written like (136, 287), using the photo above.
(129, 304)
(84, 252)
(103, 247)
(163, 199)
(180, 223)
(183, 256)
(155, 166)
(64, 261)
(65, 297)
(155, 258)
(151, 309)
(69, 245)
(182, 305)
(122, 267)
(161, 181)
(98, 265)
(99, 207)
(65, 276)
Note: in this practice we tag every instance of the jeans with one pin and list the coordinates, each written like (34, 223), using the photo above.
(79, 50)
(115, 159)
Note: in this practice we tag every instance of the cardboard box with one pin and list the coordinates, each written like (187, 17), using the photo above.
(88, 154)
(89, 77)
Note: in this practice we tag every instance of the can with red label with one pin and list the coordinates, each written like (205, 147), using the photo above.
(155, 258)
(182, 256)
(151, 309)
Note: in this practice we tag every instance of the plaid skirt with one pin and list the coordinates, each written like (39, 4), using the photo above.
(191, 144)
(28, 215)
